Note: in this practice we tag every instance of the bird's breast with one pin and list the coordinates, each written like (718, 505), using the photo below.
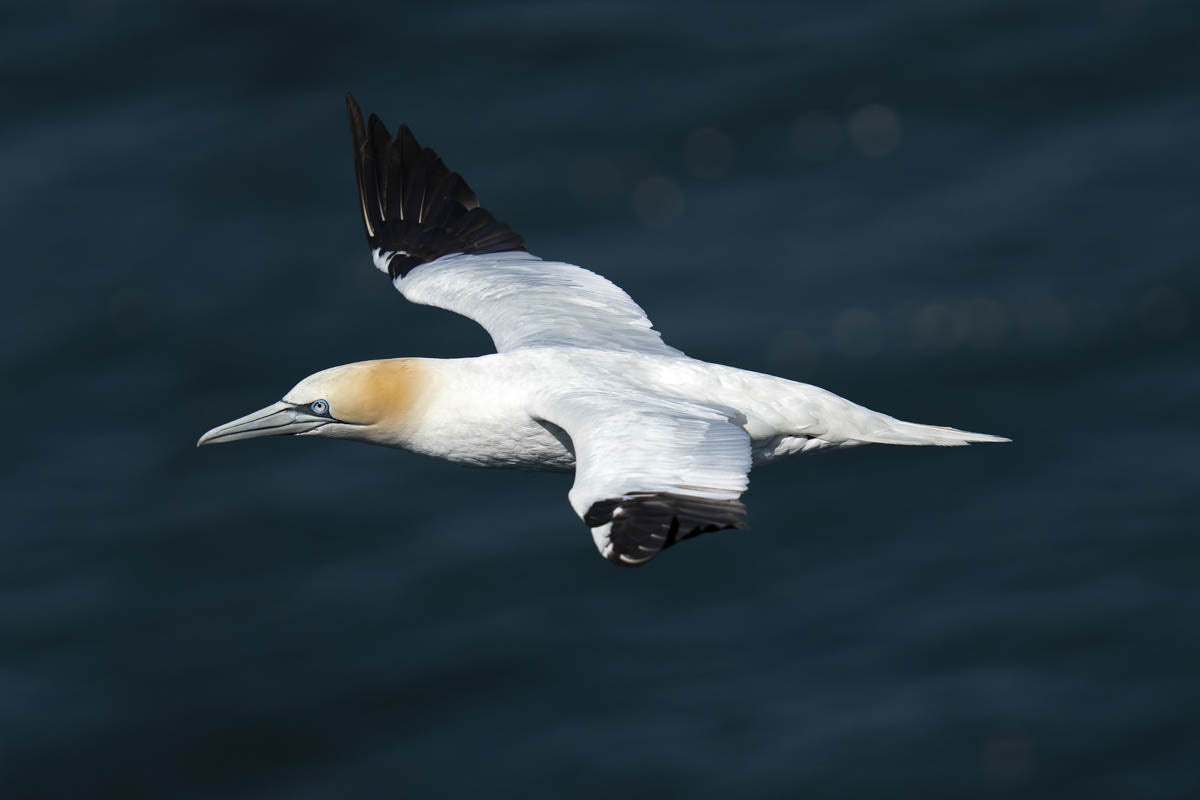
(488, 441)
(478, 414)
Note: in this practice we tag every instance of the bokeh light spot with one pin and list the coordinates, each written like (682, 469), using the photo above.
(933, 327)
(658, 201)
(987, 323)
(1163, 311)
(875, 130)
(1044, 320)
(1008, 761)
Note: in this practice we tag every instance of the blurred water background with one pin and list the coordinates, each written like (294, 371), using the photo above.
(980, 214)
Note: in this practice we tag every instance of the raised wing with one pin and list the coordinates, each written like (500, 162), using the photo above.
(428, 232)
(651, 471)
(522, 301)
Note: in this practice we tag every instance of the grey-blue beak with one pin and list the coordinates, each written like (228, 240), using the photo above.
(278, 419)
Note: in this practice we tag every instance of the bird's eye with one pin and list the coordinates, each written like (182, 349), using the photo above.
(319, 406)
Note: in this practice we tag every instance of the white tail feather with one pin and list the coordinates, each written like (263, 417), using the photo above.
(912, 433)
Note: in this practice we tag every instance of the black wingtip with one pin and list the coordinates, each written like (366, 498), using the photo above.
(646, 523)
(356, 123)
(413, 207)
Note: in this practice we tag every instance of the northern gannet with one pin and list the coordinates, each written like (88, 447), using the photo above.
(661, 443)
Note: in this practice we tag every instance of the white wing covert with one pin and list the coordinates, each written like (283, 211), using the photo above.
(650, 470)
(523, 301)
(428, 232)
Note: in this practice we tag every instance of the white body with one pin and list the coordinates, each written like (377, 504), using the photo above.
(483, 409)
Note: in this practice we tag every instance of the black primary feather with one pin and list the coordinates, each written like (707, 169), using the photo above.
(644, 524)
(412, 205)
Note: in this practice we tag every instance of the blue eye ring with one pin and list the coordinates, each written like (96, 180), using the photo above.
(319, 407)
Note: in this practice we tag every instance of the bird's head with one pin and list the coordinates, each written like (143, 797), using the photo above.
(372, 401)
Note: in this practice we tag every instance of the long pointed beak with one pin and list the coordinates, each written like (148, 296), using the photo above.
(274, 420)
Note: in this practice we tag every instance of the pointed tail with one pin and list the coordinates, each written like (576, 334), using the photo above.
(911, 433)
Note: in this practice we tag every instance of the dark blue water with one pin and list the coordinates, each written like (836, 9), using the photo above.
(976, 214)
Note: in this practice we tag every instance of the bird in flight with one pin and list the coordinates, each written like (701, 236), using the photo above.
(661, 443)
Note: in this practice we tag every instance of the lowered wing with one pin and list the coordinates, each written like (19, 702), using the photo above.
(651, 471)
